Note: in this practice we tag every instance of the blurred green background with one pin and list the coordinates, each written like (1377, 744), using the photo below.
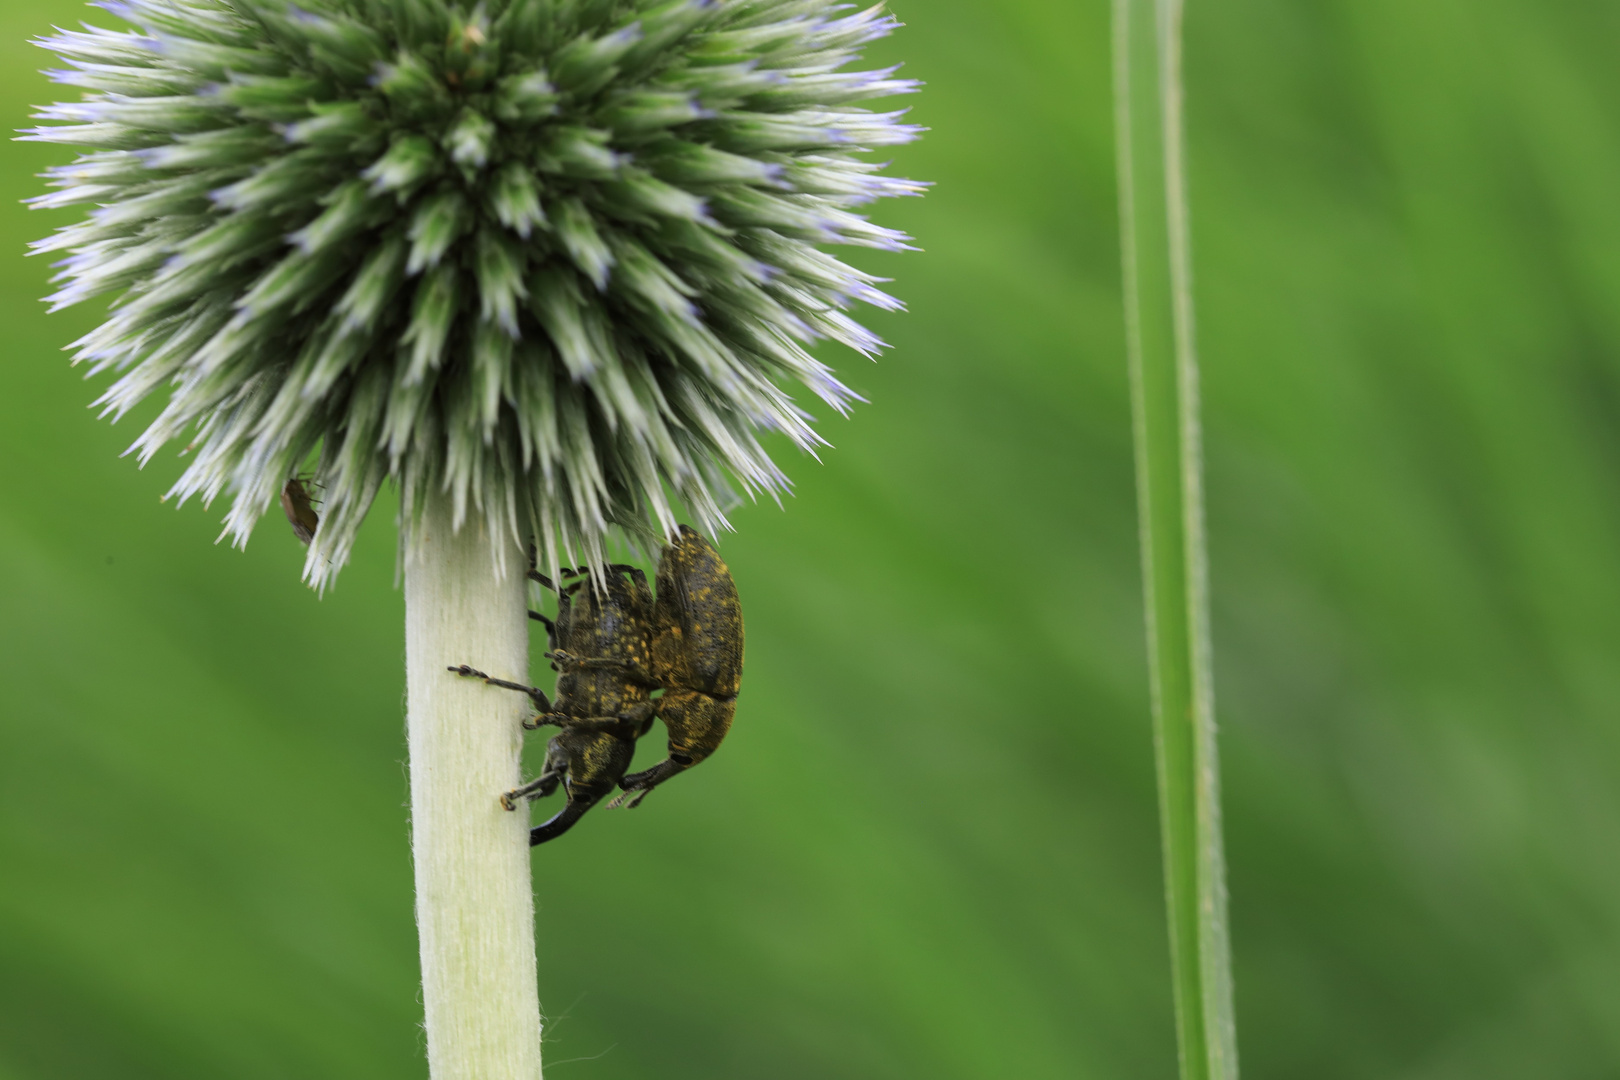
(929, 847)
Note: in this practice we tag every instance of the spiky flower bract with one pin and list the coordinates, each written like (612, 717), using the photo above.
(558, 258)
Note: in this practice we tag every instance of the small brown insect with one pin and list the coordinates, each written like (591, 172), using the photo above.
(296, 504)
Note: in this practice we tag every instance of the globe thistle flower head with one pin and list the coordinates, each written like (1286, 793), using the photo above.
(560, 258)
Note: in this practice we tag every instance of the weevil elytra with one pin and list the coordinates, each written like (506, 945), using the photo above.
(602, 711)
(696, 659)
(298, 504)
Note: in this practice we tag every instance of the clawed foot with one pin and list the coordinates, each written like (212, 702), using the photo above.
(540, 720)
(527, 793)
(468, 672)
(562, 658)
(538, 788)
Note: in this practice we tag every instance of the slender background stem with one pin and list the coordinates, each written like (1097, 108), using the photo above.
(474, 901)
(1164, 388)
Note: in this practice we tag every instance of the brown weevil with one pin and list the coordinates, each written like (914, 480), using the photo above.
(601, 711)
(298, 504)
(696, 659)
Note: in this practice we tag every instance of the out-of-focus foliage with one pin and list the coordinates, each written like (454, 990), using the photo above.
(928, 847)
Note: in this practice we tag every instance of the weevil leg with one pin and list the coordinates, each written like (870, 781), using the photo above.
(558, 825)
(537, 695)
(624, 725)
(586, 663)
(638, 785)
(535, 575)
(534, 571)
(635, 572)
(629, 799)
(569, 722)
(551, 631)
(568, 661)
(541, 786)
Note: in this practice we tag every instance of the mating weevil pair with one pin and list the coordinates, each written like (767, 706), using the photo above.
(615, 645)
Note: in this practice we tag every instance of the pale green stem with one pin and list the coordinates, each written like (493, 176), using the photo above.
(1164, 395)
(474, 900)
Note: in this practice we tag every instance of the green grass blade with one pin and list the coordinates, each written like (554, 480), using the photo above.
(1164, 389)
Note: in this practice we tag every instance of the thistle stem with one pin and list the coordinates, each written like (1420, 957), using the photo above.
(474, 900)
(1164, 394)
